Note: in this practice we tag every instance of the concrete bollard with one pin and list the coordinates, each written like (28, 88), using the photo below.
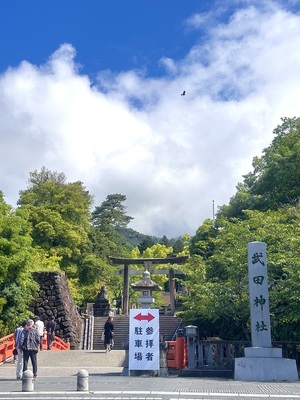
(27, 381)
(83, 380)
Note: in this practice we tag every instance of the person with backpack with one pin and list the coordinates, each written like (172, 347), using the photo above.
(30, 342)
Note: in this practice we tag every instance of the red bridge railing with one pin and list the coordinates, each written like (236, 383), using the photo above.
(7, 345)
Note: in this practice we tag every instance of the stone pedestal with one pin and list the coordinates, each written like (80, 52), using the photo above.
(262, 364)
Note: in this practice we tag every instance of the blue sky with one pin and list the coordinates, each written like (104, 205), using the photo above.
(93, 89)
(114, 34)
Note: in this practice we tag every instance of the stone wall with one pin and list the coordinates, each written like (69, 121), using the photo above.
(55, 299)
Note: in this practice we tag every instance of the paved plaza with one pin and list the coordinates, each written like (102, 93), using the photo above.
(58, 370)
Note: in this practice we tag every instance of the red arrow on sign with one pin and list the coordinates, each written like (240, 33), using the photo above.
(149, 317)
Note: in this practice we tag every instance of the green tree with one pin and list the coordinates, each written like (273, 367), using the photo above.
(51, 191)
(242, 200)
(216, 281)
(274, 180)
(165, 241)
(157, 251)
(17, 289)
(147, 242)
(276, 174)
(112, 212)
(105, 237)
(59, 213)
(181, 245)
(202, 243)
(218, 299)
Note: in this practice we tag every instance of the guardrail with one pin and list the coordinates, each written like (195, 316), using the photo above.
(220, 354)
(87, 333)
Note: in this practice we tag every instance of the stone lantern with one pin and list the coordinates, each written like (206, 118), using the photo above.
(146, 286)
(102, 305)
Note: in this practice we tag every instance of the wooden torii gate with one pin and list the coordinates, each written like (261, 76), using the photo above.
(147, 262)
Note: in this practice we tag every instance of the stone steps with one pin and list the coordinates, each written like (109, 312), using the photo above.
(167, 327)
(121, 331)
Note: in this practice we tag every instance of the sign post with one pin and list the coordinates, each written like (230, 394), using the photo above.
(144, 340)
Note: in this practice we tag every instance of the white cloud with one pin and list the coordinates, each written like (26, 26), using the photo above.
(171, 155)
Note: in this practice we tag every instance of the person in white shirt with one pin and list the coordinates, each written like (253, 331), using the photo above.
(40, 327)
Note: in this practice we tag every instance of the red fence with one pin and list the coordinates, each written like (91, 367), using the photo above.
(7, 344)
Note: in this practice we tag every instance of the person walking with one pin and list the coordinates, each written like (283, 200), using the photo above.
(39, 325)
(17, 337)
(108, 334)
(50, 328)
(30, 342)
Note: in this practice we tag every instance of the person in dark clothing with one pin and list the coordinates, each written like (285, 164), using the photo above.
(29, 343)
(50, 328)
(108, 334)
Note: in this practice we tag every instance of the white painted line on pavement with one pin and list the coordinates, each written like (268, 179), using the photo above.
(87, 395)
(119, 395)
(209, 396)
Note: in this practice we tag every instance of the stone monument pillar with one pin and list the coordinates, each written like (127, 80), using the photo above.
(262, 362)
(259, 295)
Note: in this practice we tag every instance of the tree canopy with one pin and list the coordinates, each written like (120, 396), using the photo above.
(16, 257)
(275, 178)
(265, 208)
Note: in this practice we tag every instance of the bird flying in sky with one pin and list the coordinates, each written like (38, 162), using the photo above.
(183, 93)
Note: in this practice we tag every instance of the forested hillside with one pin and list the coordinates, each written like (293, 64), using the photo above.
(56, 226)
